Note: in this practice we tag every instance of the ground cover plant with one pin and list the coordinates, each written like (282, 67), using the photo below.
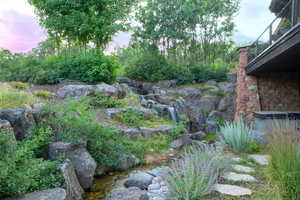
(193, 176)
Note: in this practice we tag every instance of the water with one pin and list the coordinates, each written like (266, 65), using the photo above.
(173, 114)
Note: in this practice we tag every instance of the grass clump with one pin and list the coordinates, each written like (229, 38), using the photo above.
(194, 176)
(18, 85)
(43, 94)
(100, 100)
(284, 167)
(12, 98)
(22, 171)
(237, 135)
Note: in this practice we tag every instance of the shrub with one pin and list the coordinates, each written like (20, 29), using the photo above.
(75, 121)
(284, 167)
(21, 172)
(100, 100)
(195, 175)
(43, 94)
(236, 135)
(19, 85)
(131, 117)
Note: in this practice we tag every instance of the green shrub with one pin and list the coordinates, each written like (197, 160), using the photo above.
(195, 174)
(22, 172)
(75, 121)
(43, 94)
(236, 135)
(284, 167)
(100, 100)
(131, 117)
(19, 85)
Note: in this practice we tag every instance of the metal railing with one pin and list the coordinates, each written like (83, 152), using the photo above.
(286, 19)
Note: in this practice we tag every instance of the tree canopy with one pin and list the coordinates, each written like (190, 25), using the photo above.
(82, 21)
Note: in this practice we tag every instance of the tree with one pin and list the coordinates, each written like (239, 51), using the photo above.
(82, 21)
(190, 25)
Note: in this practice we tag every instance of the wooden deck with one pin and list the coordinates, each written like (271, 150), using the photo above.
(281, 56)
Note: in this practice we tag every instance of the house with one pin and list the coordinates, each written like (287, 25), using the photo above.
(268, 85)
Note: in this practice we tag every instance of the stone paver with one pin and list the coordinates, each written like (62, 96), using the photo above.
(231, 176)
(244, 169)
(232, 190)
(260, 159)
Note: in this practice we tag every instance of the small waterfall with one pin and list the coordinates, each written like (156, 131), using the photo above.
(173, 114)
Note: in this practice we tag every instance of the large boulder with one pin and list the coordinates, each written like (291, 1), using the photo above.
(51, 194)
(72, 185)
(209, 103)
(139, 179)
(74, 91)
(197, 118)
(107, 90)
(127, 162)
(132, 193)
(21, 120)
(82, 161)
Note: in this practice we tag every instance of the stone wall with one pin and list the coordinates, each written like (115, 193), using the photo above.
(247, 98)
(279, 91)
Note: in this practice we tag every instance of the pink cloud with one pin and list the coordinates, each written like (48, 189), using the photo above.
(19, 32)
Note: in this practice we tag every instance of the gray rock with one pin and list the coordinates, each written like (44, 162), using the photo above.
(260, 159)
(108, 90)
(6, 127)
(82, 161)
(184, 140)
(74, 91)
(51, 194)
(124, 79)
(112, 112)
(209, 103)
(101, 170)
(127, 162)
(73, 188)
(231, 176)
(139, 179)
(191, 94)
(259, 137)
(167, 83)
(160, 130)
(227, 87)
(158, 172)
(196, 116)
(132, 193)
(122, 90)
(211, 83)
(232, 190)
(211, 126)
(21, 120)
(132, 132)
(198, 135)
(244, 169)
(232, 77)
(215, 116)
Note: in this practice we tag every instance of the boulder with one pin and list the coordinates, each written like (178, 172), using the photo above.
(101, 170)
(51, 194)
(232, 77)
(132, 132)
(82, 161)
(73, 188)
(139, 179)
(6, 127)
(74, 91)
(211, 83)
(198, 135)
(197, 118)
(158, 172)
(211, 126)
(184, 140)
(167, 83)
(215, 116)
(109, 90)
(132, 193)
(160, 130)
(21, 120)
(127, 162)
(227, 87)
(209, 103)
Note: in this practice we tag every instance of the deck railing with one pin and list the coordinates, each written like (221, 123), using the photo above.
(285, 20)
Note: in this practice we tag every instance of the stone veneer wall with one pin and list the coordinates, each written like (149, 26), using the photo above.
(247, 98)
(279, 91)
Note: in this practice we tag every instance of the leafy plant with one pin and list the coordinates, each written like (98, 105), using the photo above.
(195, 174)
(284, 150)
(236, 135)
(22, 172)
(131, 117)
(99, 100)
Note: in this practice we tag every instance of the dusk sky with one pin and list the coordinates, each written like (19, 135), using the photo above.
(20, 31)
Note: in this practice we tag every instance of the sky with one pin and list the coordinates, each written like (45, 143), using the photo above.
(20, 31)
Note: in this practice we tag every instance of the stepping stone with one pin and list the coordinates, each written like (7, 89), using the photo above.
(231, 176)
(232, 190)
(260, 159)
(241, 168)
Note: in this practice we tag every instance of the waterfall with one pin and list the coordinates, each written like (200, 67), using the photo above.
(173, 114)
